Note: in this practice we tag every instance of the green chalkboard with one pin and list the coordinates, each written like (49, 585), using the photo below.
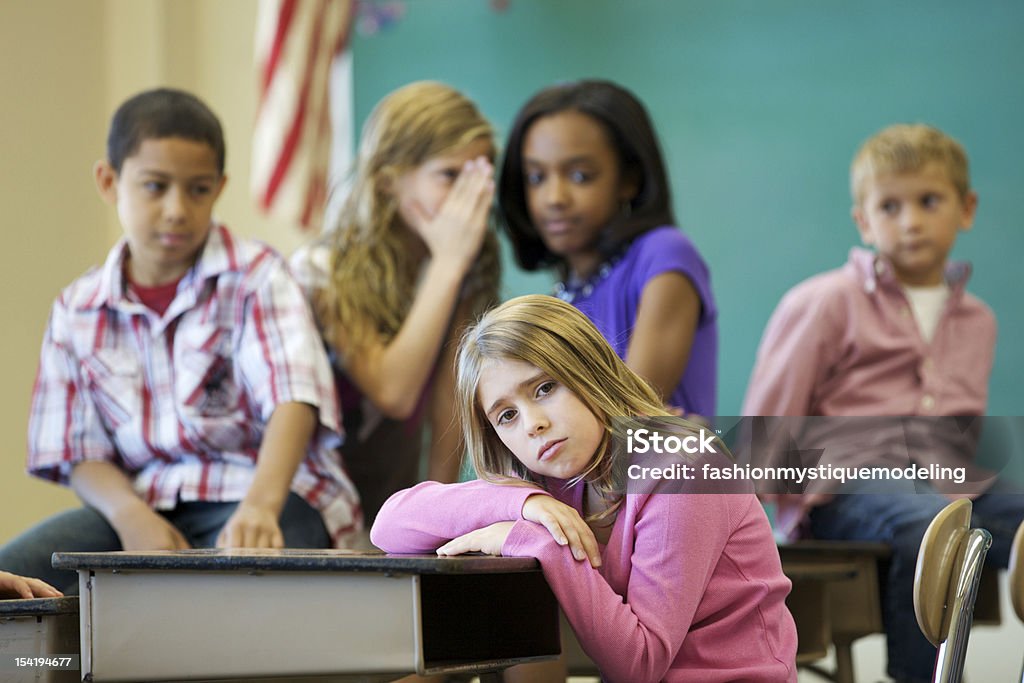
(760, 105)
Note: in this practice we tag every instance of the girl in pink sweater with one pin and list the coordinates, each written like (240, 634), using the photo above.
(657, 586)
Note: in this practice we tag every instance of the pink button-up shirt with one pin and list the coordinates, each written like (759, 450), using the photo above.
(845, 344)
(180, 401)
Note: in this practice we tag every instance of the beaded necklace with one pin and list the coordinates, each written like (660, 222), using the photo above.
(571, 289)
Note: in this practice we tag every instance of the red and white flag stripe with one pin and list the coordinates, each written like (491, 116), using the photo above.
(296, 42)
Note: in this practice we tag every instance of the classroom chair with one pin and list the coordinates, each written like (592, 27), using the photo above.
(946, 586)
(1016, 575)
(835, 611)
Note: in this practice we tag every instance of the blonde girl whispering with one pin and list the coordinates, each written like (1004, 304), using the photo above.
(409, 261)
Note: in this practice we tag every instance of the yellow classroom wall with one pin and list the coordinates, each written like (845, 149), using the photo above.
(66, 66)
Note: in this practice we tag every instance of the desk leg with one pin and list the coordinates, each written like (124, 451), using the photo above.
(844, 661)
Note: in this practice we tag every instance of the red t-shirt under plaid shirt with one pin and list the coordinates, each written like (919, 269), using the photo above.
(179, 401)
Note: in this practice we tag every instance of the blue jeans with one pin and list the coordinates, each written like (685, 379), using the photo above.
(85, 530)
(894, 514)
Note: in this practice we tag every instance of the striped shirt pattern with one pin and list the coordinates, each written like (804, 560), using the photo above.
(179, 402)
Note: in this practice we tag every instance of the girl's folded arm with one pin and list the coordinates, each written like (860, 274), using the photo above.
(637, 640)
(423, 518)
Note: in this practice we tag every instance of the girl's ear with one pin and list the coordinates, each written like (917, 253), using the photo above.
(387, 181)
(106, 180)
(629, 187)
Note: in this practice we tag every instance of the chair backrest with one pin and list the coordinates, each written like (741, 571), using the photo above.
(1016, 573)
(946, 585)
(1016, 578)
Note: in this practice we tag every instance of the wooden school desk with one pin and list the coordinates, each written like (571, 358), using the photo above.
(839, 610)
(242, 614)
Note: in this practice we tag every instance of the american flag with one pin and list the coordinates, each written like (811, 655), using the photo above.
(297, 42)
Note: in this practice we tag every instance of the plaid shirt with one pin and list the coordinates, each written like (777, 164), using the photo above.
(179, 402)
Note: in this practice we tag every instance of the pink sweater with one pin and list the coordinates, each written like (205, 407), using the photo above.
(690, 587)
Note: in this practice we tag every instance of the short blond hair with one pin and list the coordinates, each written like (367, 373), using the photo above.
(907, 148)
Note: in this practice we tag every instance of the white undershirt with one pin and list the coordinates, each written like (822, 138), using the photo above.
(927, 304)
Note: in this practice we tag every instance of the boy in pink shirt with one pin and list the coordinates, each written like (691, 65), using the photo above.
(892, 333)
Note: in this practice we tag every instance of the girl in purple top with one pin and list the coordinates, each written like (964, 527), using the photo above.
(583, 188)
(658, 586)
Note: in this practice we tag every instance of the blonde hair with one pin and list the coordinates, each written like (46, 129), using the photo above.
(375, 265)
(559, 340)
(906, 148)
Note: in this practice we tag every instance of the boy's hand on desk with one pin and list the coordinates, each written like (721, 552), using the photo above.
(145, 529)
(251, 526)
(489, 540)
(566, 526)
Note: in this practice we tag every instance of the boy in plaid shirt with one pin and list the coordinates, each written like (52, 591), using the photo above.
(183, 391)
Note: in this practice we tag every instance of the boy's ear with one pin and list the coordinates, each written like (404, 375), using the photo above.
(106, 180)
(969, 209)
(220, 187)
(862, 225)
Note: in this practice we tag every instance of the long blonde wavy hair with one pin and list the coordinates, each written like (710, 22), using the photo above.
(375, 263)
(562, 342)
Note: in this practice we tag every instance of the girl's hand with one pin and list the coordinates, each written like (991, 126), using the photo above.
(458, 228)
(489, 540)
(566, 526)
(251, 526)
(14, 586)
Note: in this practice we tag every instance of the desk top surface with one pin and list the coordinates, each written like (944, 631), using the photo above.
(835, 549)
(819, 571)
(305, 560)
(39, 607)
